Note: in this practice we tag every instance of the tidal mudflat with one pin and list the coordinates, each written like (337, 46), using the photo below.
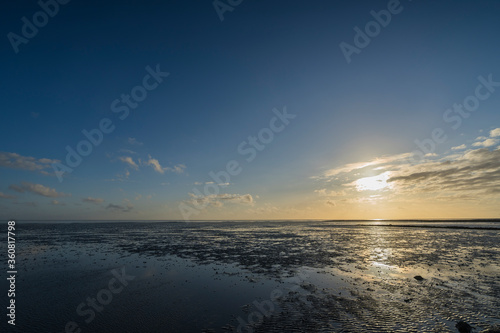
(257, 277)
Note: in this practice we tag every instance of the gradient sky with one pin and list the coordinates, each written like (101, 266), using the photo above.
(349, 152)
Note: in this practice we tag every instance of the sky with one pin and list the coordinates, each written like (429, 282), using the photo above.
(201, 110)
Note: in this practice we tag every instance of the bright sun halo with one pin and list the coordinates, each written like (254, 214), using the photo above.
(374, 183)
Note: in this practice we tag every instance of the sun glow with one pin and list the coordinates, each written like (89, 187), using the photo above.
(374, 183)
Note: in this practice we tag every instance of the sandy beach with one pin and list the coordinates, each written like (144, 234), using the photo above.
(257, 277)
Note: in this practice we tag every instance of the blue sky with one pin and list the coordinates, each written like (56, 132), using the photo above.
(225, 79)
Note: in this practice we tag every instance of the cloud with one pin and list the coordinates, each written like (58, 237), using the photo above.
(153, 162)
(486, 143)
(128, 160)
(461, 147)
(179, 168)
(133, 141)
(16, 161)
(37, 189)
(245, 198)
(217, 204)
(463, 174)
(96, 201)
(475, 171)
(373, 183)
(35, 114)
(57, 203)
(326, 193)
(209, 183)
(360, 182)
(217, 200)
(127, 208)
(7, 196)
(16, 188)
(127, 151)
(494, 133)
(347, 168)
(361, 165)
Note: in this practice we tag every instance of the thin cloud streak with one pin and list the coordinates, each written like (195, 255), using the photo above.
(38, 189)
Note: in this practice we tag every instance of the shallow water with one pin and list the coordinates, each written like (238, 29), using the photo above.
(277, 276)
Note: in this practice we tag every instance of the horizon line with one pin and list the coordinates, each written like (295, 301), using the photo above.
(496, 219)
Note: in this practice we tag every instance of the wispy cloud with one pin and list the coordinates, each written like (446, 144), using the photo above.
(155, 164)
(38, 189)
(475, 171)
(96, 201)
(461, 147)
(7, 196)
(179, 168)
(129, 161)
(127, 208)
(218, 200)
(465, 174)
(328, 193)
(361, 165)
(127, 151)
(133, 141)
(485, 143)
(201, 183)
(16, 161)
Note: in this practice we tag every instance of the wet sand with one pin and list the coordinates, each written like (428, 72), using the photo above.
(257, 277)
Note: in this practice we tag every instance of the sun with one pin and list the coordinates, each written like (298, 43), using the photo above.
(375, 183)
